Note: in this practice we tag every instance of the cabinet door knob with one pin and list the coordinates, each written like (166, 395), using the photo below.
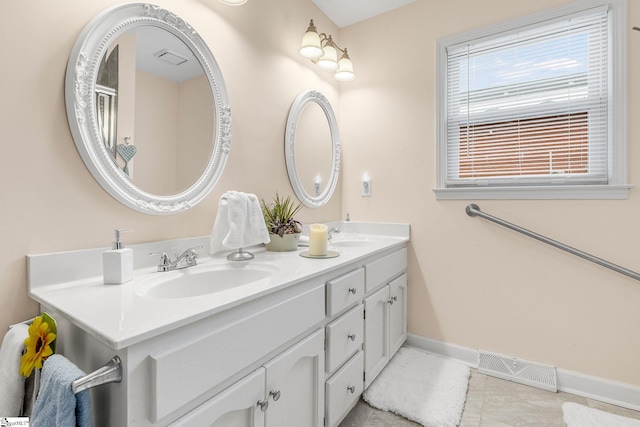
(352, 337)
(393, 299)
(352, 389)
(275, 394)
(263, 404)
(352, 290)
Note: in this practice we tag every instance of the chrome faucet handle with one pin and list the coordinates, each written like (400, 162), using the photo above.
(163, 256)
(196, 247)
(189, 255)
(165, 263)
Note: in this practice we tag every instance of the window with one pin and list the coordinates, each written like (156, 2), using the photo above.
(535, 108)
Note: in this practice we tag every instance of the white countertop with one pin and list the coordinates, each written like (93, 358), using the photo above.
(118, 315)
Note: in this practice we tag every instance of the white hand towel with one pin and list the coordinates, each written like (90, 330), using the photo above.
(239, 222)
(11, 382)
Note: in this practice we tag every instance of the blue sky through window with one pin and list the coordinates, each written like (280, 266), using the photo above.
(561, 56)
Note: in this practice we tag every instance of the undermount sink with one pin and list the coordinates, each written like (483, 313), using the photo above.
(201, 280)
(347, 242)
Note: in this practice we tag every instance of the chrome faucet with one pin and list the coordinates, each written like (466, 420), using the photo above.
(331, 232)
(189, 257)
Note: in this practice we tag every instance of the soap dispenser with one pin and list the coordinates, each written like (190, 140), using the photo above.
(117, 264)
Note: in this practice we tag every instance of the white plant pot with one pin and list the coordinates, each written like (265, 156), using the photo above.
(288, 242)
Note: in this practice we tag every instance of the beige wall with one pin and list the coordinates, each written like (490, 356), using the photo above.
(195, 129)
(513, 295)
(156, 134)
(173, 132)
(472, 282)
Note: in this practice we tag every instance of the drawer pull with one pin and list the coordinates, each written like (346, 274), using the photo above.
(352, 290)
(263, 404)
(352, 337)
(352, 389)
(275, 394)
(392, 300)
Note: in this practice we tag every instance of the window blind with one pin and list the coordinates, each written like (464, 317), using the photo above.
(530, 106)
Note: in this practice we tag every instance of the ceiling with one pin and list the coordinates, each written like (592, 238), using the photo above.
(346, 12)
(151, 42)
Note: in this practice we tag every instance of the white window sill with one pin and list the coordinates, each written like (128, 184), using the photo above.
(577, 192)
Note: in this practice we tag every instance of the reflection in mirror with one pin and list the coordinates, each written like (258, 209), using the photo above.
(312, 149)
(107, 101)
(106, 112)
(172, 128)
(157, 130)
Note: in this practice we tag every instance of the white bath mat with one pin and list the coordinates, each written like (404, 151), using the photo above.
(576, 415)
(421, 387)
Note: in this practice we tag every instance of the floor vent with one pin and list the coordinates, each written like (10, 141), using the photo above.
(516, 370)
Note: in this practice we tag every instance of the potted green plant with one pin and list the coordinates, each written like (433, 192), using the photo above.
(284, 230)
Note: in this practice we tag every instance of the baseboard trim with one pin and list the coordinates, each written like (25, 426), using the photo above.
(465, 355)
(603, 390)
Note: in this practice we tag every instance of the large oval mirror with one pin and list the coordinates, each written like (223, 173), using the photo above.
(312, 149)
(148, 108)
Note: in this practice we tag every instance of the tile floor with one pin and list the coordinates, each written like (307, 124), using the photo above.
(492, 402)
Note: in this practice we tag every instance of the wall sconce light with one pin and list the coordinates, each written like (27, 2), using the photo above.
(322, 50)
(233, 2)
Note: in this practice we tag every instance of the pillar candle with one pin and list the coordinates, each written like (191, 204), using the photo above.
(318, 239)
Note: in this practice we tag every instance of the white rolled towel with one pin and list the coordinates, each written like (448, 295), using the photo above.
(239, 222)
(11, 382)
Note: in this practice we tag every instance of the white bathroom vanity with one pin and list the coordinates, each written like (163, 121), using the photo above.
(277, 341)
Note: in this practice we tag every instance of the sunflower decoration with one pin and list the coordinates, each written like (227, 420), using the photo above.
(40, 343)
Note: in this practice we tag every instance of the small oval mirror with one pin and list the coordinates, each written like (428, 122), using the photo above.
(312, 149)
(147, 108)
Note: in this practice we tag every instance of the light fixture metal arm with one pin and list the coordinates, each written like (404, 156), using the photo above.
(328, 40)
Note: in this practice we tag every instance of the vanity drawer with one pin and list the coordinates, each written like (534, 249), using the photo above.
(380, 271)
(343, 389)
(182, 374)
(344, 291)
(344, 337)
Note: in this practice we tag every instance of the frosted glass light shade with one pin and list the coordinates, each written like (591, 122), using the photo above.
(329, 61)
(345, 70)
(311, 47)
(233, 2)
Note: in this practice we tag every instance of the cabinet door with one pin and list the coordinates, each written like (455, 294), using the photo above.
(295, 385)
(237, 406)
(376, 339)
(397, 313)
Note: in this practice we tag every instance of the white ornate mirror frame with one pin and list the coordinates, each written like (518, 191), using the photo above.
(80, 85)
(297, 107)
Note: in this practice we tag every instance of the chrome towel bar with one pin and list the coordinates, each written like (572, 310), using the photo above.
(111, 372)
(474, 210)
